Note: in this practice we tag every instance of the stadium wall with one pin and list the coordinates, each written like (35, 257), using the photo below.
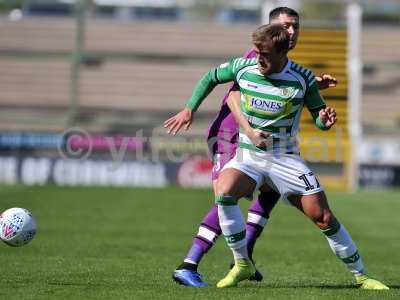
(117, 95)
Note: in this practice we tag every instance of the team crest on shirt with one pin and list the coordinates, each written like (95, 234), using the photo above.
(287, 92)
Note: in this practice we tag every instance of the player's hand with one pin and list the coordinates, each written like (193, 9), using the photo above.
(182, 119)
(328, 116)
(326, 81)
(260, 139)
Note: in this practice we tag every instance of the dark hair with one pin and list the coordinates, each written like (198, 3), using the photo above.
(274, 35)
(276, 12)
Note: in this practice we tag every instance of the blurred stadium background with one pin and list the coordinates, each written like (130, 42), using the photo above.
(86, 84)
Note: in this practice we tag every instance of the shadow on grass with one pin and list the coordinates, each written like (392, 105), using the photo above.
(395, 287)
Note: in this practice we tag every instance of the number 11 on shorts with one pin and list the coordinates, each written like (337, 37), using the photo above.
(305, 179)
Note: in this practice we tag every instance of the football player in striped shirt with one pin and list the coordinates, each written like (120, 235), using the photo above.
(222, 140)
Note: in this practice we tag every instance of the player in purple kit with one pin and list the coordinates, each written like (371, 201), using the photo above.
(222, 140)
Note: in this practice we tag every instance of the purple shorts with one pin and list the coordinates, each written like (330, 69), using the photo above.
(222, 139)
(221, 159)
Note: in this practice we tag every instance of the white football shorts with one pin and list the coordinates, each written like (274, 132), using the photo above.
(287, 174)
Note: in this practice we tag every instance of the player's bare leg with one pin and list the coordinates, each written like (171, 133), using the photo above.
(233, 185)
(316, 207)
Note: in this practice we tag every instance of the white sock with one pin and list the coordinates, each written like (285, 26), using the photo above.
(343, 246)
(234, 229)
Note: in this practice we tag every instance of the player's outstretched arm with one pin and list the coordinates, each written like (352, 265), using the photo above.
(326, 81)
(222, 74)
(257, 136)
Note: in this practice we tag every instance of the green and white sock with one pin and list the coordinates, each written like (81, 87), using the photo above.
(343, 246)
(233, 226)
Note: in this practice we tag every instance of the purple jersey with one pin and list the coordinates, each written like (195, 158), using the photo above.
(223, 133)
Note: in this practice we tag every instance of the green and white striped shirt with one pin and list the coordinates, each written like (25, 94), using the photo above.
(272, 103)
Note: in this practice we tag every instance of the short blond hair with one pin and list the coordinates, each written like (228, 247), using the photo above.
(274, 35)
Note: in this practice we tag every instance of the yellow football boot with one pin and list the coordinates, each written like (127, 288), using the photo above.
(242, 270)
(366, 283)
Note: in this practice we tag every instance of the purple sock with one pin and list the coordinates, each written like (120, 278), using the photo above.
(253, 231)
(209, 231)
(258, 216)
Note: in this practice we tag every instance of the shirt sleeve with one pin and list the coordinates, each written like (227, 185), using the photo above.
(222, 74)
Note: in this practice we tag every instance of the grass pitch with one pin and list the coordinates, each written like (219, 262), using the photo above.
(100, 243)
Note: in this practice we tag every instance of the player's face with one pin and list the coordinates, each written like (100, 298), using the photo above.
(292, 26)
(269, 60)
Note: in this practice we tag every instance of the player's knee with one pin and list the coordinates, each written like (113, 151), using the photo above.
(328, 219)
(226, 187)
(324, 219)
(223, 188)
